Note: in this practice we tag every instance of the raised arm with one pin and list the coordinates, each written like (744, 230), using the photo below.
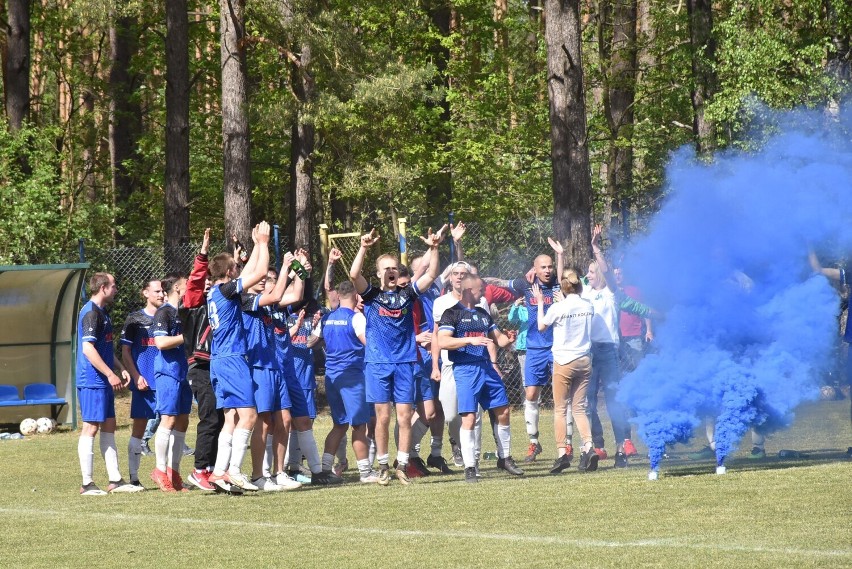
(833, 274)
(295, 292)
(258, 263)
(432, 240)
(457, 232)
(355, 275)
(333, 256)
(559, 251)
(539, 300)
(599, 258)
(274, 296)
(194, 295)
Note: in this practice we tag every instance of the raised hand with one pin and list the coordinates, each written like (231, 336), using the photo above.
(317, 317)
(205, 243)
(457, 231)
(263, 232)
(555, 245)
(369, 239)
(334, 255)
(287, 259)
(596, 234)
(433, 239)
(536, 291)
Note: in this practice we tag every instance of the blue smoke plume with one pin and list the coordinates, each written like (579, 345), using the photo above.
(748, 328)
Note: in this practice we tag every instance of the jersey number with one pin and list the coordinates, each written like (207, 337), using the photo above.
(213, 315)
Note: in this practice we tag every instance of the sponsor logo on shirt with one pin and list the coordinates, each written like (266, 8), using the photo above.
(148, 342)
(397, 313)
(547, 300)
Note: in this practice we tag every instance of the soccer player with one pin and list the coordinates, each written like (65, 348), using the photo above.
(96, 387)
(391, 351)
(343, 331)
(539, 358)
(229, 372)
(138, 353)
(174, 396)
(270, 390)
(466, 330)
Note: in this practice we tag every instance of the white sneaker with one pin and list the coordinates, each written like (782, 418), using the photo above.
(265, 484)
(122, 487)
(372, 478)
(242, 481)
(286, 482)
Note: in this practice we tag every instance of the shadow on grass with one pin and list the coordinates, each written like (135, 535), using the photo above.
(808, 458)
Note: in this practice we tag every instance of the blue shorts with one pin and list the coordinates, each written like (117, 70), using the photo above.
(143, 404)
(424, 388)
(311, 401)
(304, 369)
(230, 377)
(97, 404)
(174, 396)
(270, 393)
(390, 383)
(347, 397)
(538, 367)
(298, 402)
(478, 384)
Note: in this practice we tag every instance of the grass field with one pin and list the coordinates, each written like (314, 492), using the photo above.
(766, 513)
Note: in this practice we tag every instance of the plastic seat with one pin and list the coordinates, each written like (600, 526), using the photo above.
(42, 394)
(9, 396)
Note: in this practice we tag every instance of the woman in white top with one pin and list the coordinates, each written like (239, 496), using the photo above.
(571, 319)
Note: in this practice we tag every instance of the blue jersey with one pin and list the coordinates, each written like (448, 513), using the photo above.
(427, 324)
(171, 362)
(303, 356)
(94, 327)
(343, 349)
(276, 319)
(536, 338)
(467, 323)
(224, 311)
(260, 343)
(390, 324)
(137, 333)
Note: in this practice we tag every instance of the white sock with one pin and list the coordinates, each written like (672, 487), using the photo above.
(267, 458)
(364, 467)
(477, 436)
(293, 456)
(437, 446)
(309, 448)
(402, 458)
(223, 453)
(341, 449)
(86, 452)
(327, 461)
(134, 458)
(383, 459)
(371, 453)
(161, 448)
(495, 432)
(176, 443)
(110, 453)
(531, 419)
(467, 441)
(504, 433)
(238, 452)
(418, 431)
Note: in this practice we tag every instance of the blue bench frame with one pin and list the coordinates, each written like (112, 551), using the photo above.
(34, 394)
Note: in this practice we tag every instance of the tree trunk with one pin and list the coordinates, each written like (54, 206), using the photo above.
(177, 133)
(618, 106)
(125, 115)
(572, 184)
(301, 154)
(703, 77)
(839, 64)
(439, 192)
(235, 123)
(16, 84)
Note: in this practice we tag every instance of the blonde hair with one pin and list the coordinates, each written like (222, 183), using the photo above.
(571, 283)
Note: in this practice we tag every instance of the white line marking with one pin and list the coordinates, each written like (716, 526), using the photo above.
(677, 543)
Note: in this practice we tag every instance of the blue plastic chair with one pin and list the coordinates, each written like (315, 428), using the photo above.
(42, 394)
(9, 396)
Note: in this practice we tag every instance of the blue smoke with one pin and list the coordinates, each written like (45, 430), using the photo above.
(748, 328)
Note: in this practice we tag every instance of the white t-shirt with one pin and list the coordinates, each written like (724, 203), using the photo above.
(571, 319)
(441, 305)
(605, 321)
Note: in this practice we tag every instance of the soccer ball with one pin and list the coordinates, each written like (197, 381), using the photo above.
(44, 425)
(28, 427)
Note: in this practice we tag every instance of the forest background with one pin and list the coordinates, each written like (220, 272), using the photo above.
(139, 123)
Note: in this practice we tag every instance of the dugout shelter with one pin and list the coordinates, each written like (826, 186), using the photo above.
(39, 305)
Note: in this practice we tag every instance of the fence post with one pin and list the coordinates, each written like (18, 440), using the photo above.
(81, 253)
(276, 247)
(451, 220)
(324, 247)
(403, 245)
